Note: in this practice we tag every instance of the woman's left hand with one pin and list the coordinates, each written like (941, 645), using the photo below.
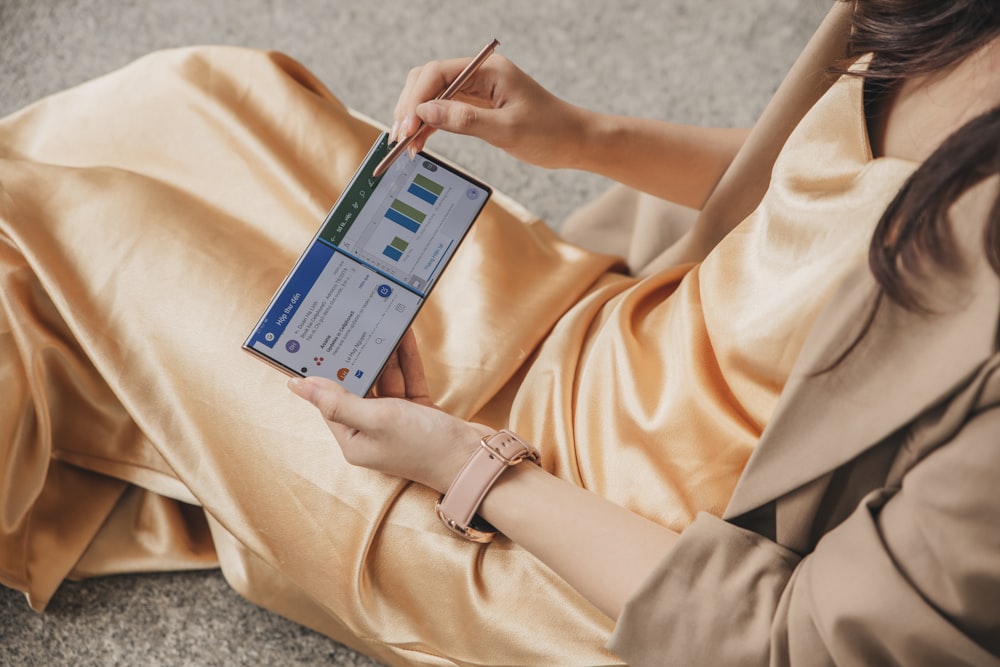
(600, 548)
(398, 430)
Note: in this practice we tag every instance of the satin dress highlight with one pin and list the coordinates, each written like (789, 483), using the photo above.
(146, 219)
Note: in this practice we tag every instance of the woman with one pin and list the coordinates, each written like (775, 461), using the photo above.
(612, 555)
(644, 396)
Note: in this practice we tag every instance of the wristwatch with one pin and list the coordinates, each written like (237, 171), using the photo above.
(457, 507)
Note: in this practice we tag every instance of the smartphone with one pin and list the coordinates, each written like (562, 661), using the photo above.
(350, 297)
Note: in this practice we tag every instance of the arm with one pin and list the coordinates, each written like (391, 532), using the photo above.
(680, 163)
(600, 548)
(505, 107)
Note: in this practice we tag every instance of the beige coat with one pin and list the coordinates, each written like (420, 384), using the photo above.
(865, 529)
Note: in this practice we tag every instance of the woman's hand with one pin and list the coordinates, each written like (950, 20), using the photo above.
(600, 548)
(504, 106)
(397, 431)
(499, 104)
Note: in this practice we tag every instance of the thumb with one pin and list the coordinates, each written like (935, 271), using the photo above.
(456, 117)
(335, 403)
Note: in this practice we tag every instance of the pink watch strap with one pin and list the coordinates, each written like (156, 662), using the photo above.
(496, 453)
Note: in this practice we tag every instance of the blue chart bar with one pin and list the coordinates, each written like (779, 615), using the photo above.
(400, 219)
(392, 253)
(423, 193)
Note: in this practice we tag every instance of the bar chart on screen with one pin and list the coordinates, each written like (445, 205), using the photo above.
(407, 223)
(425, 189)
(414, 201)
(411, 211)
(395, 249)
(408, 216)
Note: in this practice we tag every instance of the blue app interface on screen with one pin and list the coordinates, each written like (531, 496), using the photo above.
(361, 281)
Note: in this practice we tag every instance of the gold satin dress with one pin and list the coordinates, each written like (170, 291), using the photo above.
(147, 217)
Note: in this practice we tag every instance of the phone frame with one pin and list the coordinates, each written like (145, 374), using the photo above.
(365, 171)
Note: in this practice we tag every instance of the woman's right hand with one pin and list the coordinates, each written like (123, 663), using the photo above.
(500, 104)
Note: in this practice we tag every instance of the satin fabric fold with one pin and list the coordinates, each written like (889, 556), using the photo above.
(654, 392)
(147, 217)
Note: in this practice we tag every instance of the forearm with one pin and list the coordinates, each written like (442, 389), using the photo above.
(680, 163)
(505, 107)
(601, 549)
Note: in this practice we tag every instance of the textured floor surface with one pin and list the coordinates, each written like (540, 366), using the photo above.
(698, 61)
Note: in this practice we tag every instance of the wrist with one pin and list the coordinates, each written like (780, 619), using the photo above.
(495, 455)
(583, 129)
(464, 443)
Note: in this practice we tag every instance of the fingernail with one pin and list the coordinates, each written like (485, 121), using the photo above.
(432, 113)
(393, 132)
(406, 127)
(301, 388)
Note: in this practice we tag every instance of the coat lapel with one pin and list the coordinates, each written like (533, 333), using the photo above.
(904, 364)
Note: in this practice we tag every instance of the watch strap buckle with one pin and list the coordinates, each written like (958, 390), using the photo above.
(457, 508)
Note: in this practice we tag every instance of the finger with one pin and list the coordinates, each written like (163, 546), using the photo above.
(427, 82)
(391, 382)
(412, 368)
(422, 84)
(490, 125)
(335, 404)
(400, 110)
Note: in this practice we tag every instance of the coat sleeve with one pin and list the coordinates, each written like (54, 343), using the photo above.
(911, 577)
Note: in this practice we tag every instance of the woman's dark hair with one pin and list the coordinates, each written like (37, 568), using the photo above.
(912, 37)
(915, 233)
(909, 38)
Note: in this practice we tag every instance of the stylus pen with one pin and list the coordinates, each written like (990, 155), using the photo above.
(448, 93)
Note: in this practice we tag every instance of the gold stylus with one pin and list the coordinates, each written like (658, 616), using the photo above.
(448, 93)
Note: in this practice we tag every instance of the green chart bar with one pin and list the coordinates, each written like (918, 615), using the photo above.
(408, 211)
(405, 216)
(394, 250)
(426, 189)
(428, 184)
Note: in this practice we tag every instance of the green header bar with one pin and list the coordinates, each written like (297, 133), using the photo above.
(337, 224)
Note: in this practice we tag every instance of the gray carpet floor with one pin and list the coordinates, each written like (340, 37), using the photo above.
(698, 61)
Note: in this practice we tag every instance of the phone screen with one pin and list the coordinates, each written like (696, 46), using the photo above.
(355, 290)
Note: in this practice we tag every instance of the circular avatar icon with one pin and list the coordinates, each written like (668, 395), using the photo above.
(269, 337)
(292, 346)
(472, 193)
(383, 290)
